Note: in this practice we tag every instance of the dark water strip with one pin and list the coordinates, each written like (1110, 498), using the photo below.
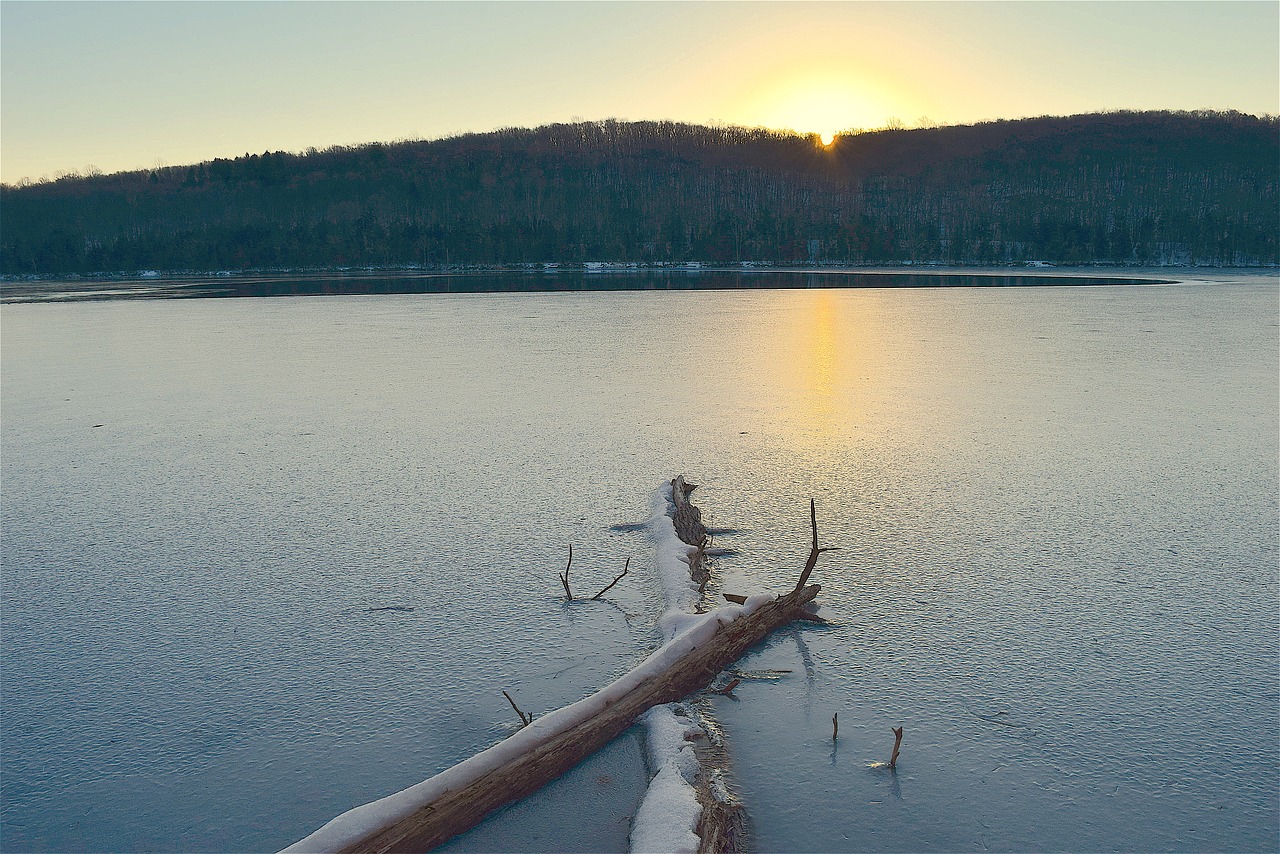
(349, 284)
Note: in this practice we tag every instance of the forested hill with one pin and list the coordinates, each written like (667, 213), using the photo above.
(1114, 188)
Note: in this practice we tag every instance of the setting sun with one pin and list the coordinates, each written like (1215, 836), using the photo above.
(824, 101)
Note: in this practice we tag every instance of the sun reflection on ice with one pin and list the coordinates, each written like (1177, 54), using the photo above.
(822, 354)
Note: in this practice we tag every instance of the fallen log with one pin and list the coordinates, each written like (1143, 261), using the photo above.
(428, 814)
(687, 520)
(722, 825)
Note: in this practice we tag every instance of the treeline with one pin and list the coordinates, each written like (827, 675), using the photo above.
(1112, 188)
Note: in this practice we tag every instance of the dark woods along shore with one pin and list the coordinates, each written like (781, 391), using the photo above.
(1151, 188)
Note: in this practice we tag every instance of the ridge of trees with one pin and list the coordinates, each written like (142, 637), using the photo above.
(1113, 188)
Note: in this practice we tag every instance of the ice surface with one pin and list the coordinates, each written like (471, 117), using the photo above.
(1057, 508)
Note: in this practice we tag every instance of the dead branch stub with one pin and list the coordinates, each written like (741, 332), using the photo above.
(814, 551)
(564, 576)
(525, 720)
(727, 689)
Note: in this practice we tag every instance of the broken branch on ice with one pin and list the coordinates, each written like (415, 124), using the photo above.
(625, 567)
(564, 576)
(525, 720)
(727, 689)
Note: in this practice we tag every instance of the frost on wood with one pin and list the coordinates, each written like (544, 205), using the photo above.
(455, 800)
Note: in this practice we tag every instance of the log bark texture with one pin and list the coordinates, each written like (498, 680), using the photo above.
(687, 520)
(723, 827)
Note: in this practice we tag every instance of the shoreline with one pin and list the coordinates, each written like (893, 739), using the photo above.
(155, 276)
(577, 280)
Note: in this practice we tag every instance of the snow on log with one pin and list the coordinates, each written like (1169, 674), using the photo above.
(426, 815)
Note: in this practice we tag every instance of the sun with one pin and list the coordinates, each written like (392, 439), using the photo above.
(821, 101)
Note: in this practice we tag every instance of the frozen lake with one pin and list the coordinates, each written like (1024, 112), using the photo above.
(1058, 508)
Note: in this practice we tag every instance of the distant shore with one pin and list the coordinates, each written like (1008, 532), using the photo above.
(567, 277)
(543, 278)
(598, 267)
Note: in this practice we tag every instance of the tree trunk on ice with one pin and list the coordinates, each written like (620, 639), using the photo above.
(458, 811)
(454, 811)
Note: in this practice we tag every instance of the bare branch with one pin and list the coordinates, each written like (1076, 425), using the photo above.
(813, 522)
(564, 577)
(625, 567)
(525, 720)
(814, 551)
(897, 742)
(727, 689)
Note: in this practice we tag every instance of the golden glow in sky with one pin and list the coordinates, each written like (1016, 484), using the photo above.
(823, 101)
(122, 85)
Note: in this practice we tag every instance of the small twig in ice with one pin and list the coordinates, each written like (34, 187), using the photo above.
(625, 567)
(564, 576)
(897, 743)
(727, 689)
(525, 720)
(835, 726)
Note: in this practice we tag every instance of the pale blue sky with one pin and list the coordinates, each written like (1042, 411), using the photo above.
(127, 85)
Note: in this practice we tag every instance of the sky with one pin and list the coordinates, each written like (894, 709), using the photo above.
(128, 85)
